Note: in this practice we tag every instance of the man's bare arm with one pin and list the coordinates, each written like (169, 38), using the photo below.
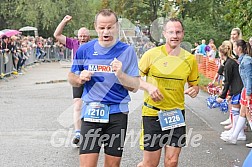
(130, 83)
(58, 32)
(74, 80)
(153, 91)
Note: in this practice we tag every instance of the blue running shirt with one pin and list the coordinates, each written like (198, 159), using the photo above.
(104, 86)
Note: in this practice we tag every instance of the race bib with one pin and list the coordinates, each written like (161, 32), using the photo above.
(97, 112)
(171, 119)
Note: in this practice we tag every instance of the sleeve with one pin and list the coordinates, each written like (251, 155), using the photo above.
(132, 69)
(228, 73)
(69, 43)
(220, 70)
(78, 62)
(193, 78)
(144, 64)
(249, 78)
(207, 48)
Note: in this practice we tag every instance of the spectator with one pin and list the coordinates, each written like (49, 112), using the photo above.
(148, 45)
(244, 52)
(202, 47)
(14, 52)
(232, 86)
(212, 52)
(9, 48)
(209, 47)
(22, 54)
(195, 50)
(137, 29)
(40, 53)
(235, 34)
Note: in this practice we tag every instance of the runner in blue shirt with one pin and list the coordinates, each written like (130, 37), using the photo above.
(108, 69)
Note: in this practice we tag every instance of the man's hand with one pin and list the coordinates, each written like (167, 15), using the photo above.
(117, 67)
(154, 93)
(192, 91)
(85, 76)
(128, 82)
(67, 18)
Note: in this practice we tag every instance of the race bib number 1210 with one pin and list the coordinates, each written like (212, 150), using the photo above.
(97, 112)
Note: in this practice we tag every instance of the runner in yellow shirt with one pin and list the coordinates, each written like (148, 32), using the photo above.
(167, 69)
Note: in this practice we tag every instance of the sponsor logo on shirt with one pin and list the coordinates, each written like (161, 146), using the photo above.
(95, 53)
(100, 68)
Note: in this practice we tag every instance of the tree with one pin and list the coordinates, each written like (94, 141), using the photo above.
(240, 14)
(46, 15)
(154, 6)
(105, 4)
(7, 14)
(208, 17)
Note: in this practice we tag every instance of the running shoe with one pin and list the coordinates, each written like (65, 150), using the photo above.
(249, 145)
(227, 127)
(226, 122)
(228, 139)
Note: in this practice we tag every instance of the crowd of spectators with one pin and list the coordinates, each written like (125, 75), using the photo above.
(22, 48)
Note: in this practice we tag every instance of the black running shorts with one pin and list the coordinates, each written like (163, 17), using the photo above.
(155, 138)
(110, 135)
(77, 91)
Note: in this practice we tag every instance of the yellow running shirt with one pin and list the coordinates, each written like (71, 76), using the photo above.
(169, 74)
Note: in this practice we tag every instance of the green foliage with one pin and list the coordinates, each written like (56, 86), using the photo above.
(240, 14)
(203, 81)
(204, 19)
(7, 14)
(105, 4)
(196, 30)
(47, 14)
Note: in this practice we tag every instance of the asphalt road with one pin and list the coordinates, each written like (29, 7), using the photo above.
(36, 125)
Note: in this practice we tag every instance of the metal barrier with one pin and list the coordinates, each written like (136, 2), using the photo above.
(32, 57)
(7, 64)
(67, 55)
(53, 53)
